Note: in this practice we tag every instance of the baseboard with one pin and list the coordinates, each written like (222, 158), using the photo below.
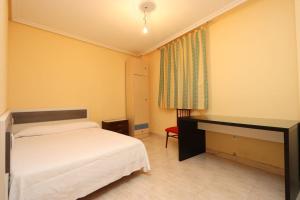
(252, 163)
(158, 134)
(142, 135)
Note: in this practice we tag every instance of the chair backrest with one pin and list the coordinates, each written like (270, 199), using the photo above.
(183, 113)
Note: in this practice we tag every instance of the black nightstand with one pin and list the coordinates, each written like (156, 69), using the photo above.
(119, 126)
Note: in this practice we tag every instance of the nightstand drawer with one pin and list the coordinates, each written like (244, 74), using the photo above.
(119, 126)
(123, 131)
(123, 123)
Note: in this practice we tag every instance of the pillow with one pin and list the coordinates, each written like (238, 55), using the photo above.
(18, 127)
(55, 128)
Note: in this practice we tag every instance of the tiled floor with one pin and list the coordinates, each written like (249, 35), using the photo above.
(203, 177)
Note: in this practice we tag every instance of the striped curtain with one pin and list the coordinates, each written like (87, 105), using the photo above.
(183, 73)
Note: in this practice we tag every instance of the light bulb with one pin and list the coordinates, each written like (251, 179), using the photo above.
(145, 30)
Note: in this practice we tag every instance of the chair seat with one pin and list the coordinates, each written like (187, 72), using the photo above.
(172, 130)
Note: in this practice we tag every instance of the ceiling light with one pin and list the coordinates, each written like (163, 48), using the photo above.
(146, 7)
(145, 29)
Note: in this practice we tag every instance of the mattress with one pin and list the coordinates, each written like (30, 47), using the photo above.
(70, 164)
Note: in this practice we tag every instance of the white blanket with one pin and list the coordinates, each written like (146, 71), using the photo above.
(72, 164)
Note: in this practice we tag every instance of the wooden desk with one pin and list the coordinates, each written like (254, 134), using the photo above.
(192, 142)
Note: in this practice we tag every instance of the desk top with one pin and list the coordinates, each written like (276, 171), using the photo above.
(256, 123)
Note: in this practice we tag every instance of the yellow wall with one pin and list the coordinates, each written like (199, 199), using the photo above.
(297, 22)
(3, 54)
(47, 70)
(270, 153)
(252, 72)
(253, 65)
(3, 66)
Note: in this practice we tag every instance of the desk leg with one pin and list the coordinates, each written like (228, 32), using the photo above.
(291, 162)
(191, 139)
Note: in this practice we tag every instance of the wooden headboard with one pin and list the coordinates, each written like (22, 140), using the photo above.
(5, 131)
(7, 148)
(49, 115)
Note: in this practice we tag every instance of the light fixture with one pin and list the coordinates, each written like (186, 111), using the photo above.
(145, 29)
(146, 8)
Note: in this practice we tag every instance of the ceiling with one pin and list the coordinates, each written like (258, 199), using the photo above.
(118, 24)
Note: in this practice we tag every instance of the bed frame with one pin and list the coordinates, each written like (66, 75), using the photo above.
(33, 117)
(49, 115)
(8, 125)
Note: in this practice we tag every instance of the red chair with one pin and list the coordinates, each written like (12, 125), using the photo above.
(173, 131)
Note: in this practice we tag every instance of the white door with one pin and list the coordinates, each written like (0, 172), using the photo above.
(141, 104)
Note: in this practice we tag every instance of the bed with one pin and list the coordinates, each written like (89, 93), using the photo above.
(66, 161)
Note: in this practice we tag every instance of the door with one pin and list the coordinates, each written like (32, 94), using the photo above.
(141, 103)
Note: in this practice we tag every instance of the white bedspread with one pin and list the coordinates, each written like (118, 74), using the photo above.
(70, 165)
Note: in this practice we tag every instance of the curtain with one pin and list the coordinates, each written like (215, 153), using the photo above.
(183, 73)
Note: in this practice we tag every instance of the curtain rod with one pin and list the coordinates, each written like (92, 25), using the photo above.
(199, 27)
